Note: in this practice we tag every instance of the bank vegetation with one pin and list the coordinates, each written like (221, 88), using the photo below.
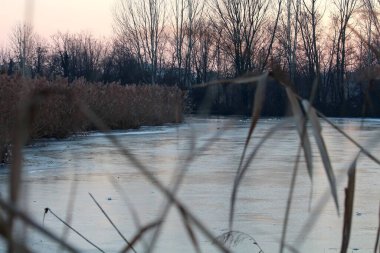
(53, 107)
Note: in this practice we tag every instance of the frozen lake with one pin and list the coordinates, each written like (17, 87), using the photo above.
(60, 174)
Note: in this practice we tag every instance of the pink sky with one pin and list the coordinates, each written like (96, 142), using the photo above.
(50, 16)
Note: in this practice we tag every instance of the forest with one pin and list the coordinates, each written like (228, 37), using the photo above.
(331, 45)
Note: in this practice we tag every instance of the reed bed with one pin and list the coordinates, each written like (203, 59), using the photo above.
(57, 115)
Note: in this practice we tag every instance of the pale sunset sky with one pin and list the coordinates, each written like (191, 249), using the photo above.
(74, 16)
(51, 16)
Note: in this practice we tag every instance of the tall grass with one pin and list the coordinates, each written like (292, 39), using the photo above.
(57, 115)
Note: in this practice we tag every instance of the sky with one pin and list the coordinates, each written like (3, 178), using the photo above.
(51, 16)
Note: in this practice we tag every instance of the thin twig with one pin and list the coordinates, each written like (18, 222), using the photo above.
(256, 113)
(315, 214)
(131, 208)
(139, 235)
(377, 246)
(190, 231)
(69, 210)
(289, 201)
(18, 246)
(16, 212)
(239, 176)
(193, 154)
(73, 229)
(113, 224)
(362, 149)
(145, 172)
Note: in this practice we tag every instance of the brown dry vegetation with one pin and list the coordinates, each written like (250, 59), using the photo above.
(57, 114)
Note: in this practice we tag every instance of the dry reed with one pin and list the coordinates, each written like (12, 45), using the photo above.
(58, 116)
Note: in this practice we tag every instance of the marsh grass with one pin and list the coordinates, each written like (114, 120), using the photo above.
(93, 107)
(57, 115)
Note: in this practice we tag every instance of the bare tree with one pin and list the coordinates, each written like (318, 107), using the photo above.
(195, 9)
(272, 37)
(290, 41)
(370, 21)
(341, 20)
(204, 57)
(309, 20)
(141, 23)
(178, 27)
(5, 58)
(78, 55)
(3, 55)
(187, 14)
(240, 21)
(22, 42)
(121, 65)
(40, 57)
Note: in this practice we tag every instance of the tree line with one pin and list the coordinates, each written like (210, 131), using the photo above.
(186, 42)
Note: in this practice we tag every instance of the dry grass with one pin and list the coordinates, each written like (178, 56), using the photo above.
(57, 115)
